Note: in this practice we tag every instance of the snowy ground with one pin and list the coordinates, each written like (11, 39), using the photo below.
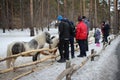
(102, 68)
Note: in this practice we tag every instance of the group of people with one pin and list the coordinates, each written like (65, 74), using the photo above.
(67, 32)
(105, 29)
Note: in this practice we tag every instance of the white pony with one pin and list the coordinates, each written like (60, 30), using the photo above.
(54, 44)
(37, 42)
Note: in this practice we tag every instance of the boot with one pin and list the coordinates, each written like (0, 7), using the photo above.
(61, 60)
(98, 44)
(80, 56)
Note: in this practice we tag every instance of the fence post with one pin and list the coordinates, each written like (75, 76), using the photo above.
(68, 64)
(92, 52)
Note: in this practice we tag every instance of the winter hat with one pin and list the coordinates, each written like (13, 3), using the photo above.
(83, 17)
(79, 18)
(59, 18)
(103, 22)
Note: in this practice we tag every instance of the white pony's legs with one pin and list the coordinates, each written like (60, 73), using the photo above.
(9, 53)
(10, 62)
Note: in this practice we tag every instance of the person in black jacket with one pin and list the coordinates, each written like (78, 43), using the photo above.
(72, 35)
(106, 30)
(64, 35)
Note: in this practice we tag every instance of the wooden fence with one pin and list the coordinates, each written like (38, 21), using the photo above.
(31, 63)
(68, 72)
(71, 69)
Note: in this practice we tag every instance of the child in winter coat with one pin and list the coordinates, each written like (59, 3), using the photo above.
(97, 37)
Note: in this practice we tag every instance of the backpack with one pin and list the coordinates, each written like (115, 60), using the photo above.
(72, 28)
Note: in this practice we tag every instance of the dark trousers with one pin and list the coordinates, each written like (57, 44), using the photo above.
(86, 43)
(72, 46)
(64, 49)
(97, 40)
(105, 38)
(82, 45)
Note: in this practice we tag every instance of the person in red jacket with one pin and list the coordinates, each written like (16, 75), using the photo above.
(81, 36)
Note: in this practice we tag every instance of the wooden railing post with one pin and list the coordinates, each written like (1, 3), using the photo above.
(92, 52)
(68, 65)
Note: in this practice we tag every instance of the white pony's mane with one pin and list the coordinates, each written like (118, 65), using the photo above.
(40, 38)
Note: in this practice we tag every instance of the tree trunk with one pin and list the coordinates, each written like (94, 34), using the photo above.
(48, 15)
(109, 12)
(3, 16)
(91, 14)
(95, 13)
(31, 14)
(7, 16)
(65, 8)
(58, 8)
(73, 10)
(84, 7)
(115, 27)
(21, 14)
(81, 7)
(42, 1)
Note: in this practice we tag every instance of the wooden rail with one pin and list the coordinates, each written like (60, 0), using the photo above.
(73, 68)
(28, 53)
(31, 63)
(28, 64)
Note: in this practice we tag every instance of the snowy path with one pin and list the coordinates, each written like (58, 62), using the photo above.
(118, 58)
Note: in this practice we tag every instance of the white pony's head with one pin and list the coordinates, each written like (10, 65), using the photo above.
(48, 38)
(55, 41)
(44, 37)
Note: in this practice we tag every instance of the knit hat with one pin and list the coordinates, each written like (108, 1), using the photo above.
(79, 18)
(83, 17)
(59, 18)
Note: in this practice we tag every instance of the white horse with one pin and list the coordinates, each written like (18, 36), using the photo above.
(37, 42)
(54, 44)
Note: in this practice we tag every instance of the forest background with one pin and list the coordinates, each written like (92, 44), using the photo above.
(38, 14)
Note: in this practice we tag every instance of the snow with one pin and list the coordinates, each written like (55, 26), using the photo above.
(103, 68)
